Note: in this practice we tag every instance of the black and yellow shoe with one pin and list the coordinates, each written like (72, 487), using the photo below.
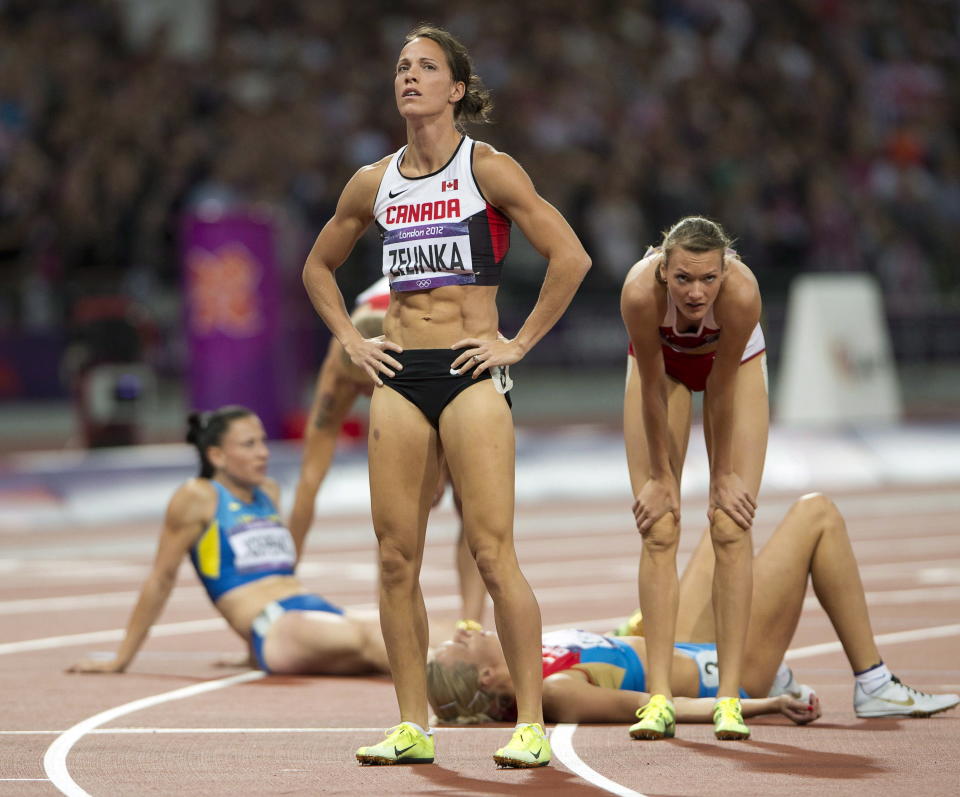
(728, 720)
(658, 720)
(528, 747)
(404, 745)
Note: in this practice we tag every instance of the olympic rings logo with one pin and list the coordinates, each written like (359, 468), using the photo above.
(423, 283)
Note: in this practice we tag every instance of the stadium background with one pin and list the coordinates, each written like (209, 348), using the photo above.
(822, 134)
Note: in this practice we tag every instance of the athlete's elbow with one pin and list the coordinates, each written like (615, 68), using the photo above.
(308, 275)
(583, 264)
(312, 268)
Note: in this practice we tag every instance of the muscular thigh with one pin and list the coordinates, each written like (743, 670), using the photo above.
(404, 466)
(476, 432)
(751, 423)
(678, 419)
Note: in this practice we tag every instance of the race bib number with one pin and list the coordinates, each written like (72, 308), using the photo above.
(262, 545)
(428, 256)
(709, 668)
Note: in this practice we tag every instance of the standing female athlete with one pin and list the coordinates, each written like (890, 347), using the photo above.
(692, 311)
(339, 384)
(443, 205)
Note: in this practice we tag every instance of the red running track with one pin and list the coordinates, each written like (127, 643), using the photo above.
(162, 728)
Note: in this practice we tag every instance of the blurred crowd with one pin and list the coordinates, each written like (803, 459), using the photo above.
(822, 133)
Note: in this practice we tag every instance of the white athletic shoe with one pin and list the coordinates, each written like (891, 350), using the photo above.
(899, 700)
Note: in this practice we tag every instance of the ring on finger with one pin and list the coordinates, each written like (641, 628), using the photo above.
(476, 358)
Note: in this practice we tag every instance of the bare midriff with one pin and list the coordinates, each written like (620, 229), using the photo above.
(438, 318)
(241, 605)
(684, 674)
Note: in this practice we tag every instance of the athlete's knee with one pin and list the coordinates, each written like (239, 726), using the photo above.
(817, 509)
(496, 562)
(398, 564)
(724, 531)
(663, 536)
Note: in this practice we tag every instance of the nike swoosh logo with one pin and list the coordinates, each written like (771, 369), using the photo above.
(907, 702)
(394, 195)
(537, 754)
(401, 752)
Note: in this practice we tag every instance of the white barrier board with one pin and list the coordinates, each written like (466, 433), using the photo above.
(837, 365)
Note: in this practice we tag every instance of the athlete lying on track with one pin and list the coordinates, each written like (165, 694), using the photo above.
(595, 678)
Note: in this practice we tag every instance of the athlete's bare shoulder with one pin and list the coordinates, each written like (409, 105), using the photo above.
(738, 305)
(487, 158)
(193, 502)
(366, 180)
(374, 171)
(360, 191)
(740, 286)
(641, 289)
(197, 489)
(501, 179)
(482, 150)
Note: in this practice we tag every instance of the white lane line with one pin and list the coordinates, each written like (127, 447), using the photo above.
(562, 737)
(55, 759)
(113, 635)
(545, 596)
(894, 638)
(76, 602)
(561, 740)
(900, 597)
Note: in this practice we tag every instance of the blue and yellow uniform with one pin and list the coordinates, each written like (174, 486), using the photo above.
(244, 543)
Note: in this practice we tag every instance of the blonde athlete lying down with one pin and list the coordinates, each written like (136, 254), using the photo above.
(595, 678)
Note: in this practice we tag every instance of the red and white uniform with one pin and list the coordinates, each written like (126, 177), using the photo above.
(688, 356)
(377, 295)
(439, 229)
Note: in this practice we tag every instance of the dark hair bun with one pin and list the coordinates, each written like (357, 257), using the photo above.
(195, 424)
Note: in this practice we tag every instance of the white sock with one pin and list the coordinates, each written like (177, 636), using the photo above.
(414, 725)
(874, 679)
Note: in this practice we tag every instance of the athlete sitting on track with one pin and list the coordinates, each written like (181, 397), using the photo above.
(594, 678)
(227, 520)
(339, 384)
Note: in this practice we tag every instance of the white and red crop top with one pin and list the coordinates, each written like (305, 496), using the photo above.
(439, 229)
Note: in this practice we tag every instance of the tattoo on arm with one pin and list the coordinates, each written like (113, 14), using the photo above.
(324, 410)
